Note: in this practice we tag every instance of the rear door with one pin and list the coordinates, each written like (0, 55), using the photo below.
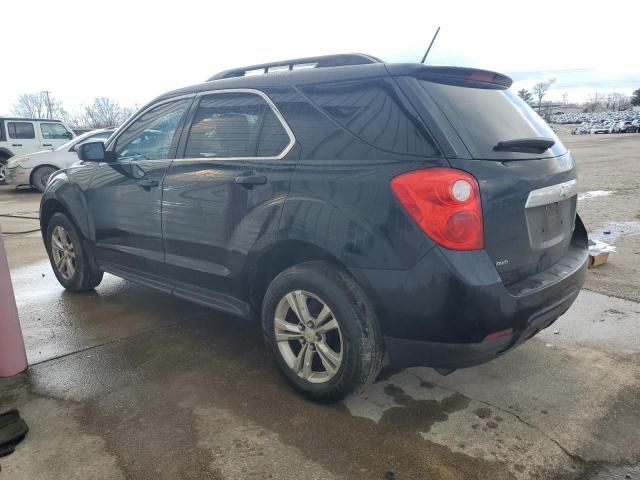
(528, 195)
(225, 194)
(21, 137)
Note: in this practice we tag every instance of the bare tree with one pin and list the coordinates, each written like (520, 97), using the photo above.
(102, 112)
(540, 90)
(39, 105)
(594, 102)
(565, 99)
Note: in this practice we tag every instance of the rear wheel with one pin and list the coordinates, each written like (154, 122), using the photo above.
(68, 256)
(40, 177)
(322, 330)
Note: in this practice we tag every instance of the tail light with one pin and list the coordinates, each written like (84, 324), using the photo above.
(445, 203)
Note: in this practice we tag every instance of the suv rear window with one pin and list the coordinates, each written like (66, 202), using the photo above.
(373, 111)
(485, 116)
(21, 130)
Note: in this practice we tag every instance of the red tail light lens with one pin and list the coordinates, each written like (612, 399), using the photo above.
(445, 203)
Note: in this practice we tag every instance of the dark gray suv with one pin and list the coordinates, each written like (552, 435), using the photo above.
(368, 213)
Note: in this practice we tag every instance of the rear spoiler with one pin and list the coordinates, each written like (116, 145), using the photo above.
(460, 76)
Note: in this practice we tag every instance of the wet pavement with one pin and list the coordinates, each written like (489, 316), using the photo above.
(130, 383)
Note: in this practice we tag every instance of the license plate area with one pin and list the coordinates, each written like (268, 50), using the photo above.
(550, 224)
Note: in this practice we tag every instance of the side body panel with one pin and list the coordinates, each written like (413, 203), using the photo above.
(212, 224)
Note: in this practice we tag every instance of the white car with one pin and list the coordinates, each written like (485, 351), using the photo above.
(19, 136)
(605, 128)
(35, 168)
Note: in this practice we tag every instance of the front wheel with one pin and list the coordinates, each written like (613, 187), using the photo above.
(322, 330)
(68, 256)
(3, 170)
(40, 177)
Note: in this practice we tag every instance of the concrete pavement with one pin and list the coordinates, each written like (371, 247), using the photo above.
(129, 383)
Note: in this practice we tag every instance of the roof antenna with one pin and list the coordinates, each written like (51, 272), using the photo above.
(432, 40)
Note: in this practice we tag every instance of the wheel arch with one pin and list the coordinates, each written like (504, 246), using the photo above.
(281, 255)
(34, 169)
(5, 154)
(49, 207)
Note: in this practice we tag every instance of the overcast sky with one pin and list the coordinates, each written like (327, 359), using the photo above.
(134, 50)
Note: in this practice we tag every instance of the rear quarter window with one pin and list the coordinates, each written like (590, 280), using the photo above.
(485, 116)
(372, 110)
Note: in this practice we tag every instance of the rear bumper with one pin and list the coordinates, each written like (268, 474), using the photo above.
(439, 313)
(403, 353)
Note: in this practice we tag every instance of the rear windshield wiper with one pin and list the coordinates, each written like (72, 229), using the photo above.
(525, 145)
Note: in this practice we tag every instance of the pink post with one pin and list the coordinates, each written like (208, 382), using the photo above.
(13, 357)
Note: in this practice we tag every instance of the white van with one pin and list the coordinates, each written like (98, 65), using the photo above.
(20, 136)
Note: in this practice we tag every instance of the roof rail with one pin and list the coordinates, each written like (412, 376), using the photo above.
(299, 63)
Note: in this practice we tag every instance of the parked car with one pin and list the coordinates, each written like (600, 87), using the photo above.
(35, 168)
(356, 207)
(19, 136)
(626, 126)
(602, 128)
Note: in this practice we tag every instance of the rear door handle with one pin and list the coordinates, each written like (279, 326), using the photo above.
(248, 180)
(47, 144)
(16, 144)
(148, 183)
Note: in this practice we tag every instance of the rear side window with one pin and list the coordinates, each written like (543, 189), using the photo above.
(54, 131)
(373, 111)
(3, 136)
(229, 125)
(484, 116)
(21, 130)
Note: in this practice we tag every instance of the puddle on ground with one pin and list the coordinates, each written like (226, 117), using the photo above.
(616, 230)
(419, 415)
(594, 194)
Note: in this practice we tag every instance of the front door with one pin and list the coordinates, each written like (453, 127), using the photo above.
(53, 135)
(225, 194)
(125, 195)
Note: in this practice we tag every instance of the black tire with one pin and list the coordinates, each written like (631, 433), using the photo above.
(361, 340)
(3, 169)
(40, 177)
(85, 277)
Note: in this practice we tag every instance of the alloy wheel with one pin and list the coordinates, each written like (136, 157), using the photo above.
(64, 256)
(308, 336)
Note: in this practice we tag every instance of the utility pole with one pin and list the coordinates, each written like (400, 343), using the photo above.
(48, 100)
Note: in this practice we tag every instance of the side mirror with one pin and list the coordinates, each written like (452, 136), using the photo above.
(92, 152)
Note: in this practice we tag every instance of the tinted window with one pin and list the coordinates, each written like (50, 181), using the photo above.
(3, 136)
(235, 125)
(22, 130)
(54, 131)
(372, 110)
(483, 117)
(151, 136)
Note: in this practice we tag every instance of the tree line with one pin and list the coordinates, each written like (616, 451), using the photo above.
(100, 113)
(595, 102)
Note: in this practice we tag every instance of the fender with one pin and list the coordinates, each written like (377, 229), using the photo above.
(66, 192)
